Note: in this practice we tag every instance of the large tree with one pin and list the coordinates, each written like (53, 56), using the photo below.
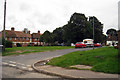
(46, 37)
(58, 35)
(77, 29)
(111, 32)
(98, 29)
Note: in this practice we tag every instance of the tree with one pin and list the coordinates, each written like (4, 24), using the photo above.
(98, 29)
(77, 29)
(58, 35)
(111, 32)
(46, 37)
(26, 30)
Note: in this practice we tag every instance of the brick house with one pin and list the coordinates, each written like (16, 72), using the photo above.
(23, 38)
(111, 40)
(35, 38)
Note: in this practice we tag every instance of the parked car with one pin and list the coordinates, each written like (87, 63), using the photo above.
(80, 45)
(97, 45)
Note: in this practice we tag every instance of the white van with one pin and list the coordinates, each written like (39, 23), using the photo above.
(88, 42)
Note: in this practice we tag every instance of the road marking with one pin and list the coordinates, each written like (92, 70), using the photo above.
(12, 65)
(30, 69)
(12, 62)
(4, 63)
(21, 64)
(28, 65)
(24, 67)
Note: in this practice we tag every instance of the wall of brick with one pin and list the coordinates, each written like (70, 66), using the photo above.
(119, 39)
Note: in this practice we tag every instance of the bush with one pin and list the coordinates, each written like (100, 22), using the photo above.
(19, 45)
(8, 44)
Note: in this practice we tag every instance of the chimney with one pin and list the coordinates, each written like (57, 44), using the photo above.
(12, 29)
(38, 31)
(28, 32)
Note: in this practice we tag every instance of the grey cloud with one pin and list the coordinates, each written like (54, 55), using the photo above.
(24, 7)
(12, 19)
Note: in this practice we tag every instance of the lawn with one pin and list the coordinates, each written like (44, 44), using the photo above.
(33, 49)
(101, 59)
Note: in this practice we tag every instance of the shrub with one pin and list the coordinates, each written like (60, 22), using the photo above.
(19, 45)
(8, 44)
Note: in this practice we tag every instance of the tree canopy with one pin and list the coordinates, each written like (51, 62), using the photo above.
(79, 27)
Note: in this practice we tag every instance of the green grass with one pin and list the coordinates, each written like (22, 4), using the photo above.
(101, 59)
(33, 49)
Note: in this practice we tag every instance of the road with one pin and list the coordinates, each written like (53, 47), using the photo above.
(19, 66)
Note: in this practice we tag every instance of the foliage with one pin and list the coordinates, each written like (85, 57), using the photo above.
(77, 29)
(8, 44)
(19, 45)
(101, 59)
(46, 37)
(111, 32)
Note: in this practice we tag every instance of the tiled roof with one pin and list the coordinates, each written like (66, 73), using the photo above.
(10, 33)
(36, 35)
(114, 38)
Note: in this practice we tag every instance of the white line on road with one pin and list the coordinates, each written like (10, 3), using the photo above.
(12, 62)
(12, 65)
(4, 63)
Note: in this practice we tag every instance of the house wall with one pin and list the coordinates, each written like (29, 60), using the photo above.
(110, 43)
(119, 39)
(21, 41)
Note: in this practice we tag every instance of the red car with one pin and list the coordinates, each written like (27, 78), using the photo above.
(80, 45)
(97, 45)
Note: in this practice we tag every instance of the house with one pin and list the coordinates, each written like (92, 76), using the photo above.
(35, 38)
(111, 40)
(22, 38)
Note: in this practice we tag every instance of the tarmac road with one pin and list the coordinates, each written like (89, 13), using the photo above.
(19, 66)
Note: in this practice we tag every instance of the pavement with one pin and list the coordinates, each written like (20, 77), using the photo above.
(70, 73)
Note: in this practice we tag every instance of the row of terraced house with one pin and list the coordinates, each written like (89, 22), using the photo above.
(23, 38)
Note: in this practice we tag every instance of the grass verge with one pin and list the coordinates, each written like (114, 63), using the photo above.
(33, 49)
(101, 59)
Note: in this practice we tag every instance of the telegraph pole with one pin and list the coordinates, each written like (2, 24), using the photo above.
(4, 24)
(93, 32)
(4, 18)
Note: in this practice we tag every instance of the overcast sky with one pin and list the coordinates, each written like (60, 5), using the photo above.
(49, 14)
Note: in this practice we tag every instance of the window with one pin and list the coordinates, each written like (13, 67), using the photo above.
(27, 38)
(15, 44)
(15, 38)
(23, 38)
(36, 39)
(19, 38)
(10, 38)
